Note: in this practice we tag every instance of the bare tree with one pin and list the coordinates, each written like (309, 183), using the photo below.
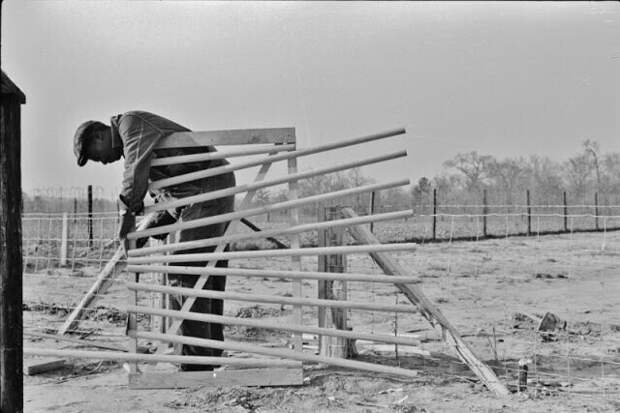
(473, 166)
(507, 175)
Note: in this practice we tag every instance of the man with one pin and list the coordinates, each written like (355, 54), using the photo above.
(135, 135)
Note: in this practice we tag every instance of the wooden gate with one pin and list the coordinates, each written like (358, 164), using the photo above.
(272, 366)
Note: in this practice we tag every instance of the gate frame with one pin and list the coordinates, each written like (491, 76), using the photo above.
(283, 136)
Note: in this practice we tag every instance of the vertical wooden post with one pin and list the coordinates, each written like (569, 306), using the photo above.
(322, 266)
(485, 212)
(132, 320)
(565, 211)
(163, 297)
(333, 346)
(296, 261)
(434, 213)
(64, 239)
(90, 216)
(529, 213)
(11, 322)
(372, 208)
(596, 211)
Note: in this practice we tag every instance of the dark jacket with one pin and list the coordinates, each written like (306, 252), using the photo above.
(138, 133)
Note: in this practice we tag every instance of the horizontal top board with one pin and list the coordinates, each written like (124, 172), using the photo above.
(228, 137)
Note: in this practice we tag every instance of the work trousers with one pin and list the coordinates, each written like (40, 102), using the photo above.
(201, 329)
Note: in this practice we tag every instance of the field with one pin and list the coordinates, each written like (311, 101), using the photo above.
(489, 290)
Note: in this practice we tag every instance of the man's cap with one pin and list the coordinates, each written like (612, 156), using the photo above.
(80, 140)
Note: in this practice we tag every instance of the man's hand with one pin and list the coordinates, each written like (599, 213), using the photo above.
(128, 224)
(162, 218)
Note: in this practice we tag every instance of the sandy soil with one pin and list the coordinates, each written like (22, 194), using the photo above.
(483, 288)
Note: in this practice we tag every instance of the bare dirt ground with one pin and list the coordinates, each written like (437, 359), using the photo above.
(487, 289)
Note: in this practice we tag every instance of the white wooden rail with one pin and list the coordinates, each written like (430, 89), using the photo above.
(298, 252)
(208, 196)
(279, 206)
(282, 326)
(278, 352)
(274, 299)
(313, 226)
(282, 274)
(280, 157)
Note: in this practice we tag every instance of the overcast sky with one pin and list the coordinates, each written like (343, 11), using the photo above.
(504, 79)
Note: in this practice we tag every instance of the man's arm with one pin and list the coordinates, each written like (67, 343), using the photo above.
(139, 139)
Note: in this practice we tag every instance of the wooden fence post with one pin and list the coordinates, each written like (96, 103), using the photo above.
(434, 213)
(328, 345)
(11, 271)
(565, 212)
(64, 239)
(529, 213)
(596, 211)
(485, 211)
(90, 216)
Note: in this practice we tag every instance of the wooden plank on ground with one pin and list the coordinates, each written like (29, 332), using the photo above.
(39, 366)
(427, 308)
(264, 377)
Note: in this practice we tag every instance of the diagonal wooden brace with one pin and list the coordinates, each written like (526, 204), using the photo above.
(362, 235)
(104, 280)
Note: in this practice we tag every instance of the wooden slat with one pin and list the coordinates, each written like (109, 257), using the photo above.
(228, 239)
(264, 377)
(150, 358)
(298, 252)
(279, 206)
(428, 309)
(275, 158)
(275, 299)
(282, 274)
(279, 325)
(228, 137)
(208, 196)
(279, 352)
(209, 156)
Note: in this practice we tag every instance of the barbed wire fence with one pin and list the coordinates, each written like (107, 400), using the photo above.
(75, 240)
(578, 358)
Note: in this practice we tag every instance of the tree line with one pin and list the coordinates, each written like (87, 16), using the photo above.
(462, 181)
(465, 176)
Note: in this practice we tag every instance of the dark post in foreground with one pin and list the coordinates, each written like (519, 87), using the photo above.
(596, 211)
(90, 216)
(565, 212)
(485, 212)
(529, 212)
(434, 213)
(11, 350)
